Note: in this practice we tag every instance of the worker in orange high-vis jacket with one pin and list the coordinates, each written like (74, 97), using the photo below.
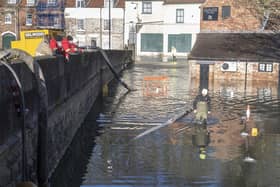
(66, 47)
(72, 45)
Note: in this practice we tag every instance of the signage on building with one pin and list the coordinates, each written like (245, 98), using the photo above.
(210, 13)
(34, 34)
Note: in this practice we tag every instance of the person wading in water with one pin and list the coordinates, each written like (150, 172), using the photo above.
(201, 109)
(202, 106)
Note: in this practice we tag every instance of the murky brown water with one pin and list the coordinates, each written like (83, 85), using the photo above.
(105, 153)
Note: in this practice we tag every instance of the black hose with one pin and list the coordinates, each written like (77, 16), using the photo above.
(112, 69)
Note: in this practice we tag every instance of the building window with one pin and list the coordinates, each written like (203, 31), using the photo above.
(265, 67)
(147, 7)
(152, 42)
(264, 94)
(28, 21)
(226, 12)
(8, 19)
(179, 15)
(80, 4)
(30, 2)
(56, 21)
(210, 13)
(12, 1)
(107, 3)
(51, 2)
(106, 24)
(80, 24)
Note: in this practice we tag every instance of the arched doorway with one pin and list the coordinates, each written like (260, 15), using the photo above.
(6, 40)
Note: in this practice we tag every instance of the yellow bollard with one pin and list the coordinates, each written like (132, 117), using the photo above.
(254, 132)
(105, 90)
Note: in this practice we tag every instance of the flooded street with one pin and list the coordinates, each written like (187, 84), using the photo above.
(243, 148)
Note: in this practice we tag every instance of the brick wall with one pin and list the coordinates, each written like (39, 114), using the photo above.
(243, 18)
(215, 72)
(255, 80)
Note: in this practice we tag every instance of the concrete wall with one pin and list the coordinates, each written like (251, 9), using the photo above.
(72, 88)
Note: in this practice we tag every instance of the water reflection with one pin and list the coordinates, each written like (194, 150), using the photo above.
(172, 156)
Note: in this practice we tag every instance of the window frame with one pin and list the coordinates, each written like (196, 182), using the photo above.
(106, 3)
(265, 67)
(52, 2)
(226, 12)
(28, 21)
(11, 2)
(80, 3)
(180, 18)
(106, 23)
(147, 7)
(30, 2)
(8, 19)
(80, 24)
(210, 11)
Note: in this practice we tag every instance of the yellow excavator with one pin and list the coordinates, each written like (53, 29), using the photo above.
(30, 39)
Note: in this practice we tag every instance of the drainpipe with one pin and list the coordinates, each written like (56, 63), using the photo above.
(110, 24)
(17, 18)
(123, 27)
(101, 29)
(246, 70)
(22, 109)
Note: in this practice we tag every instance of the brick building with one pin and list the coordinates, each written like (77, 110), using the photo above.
(96, 22)
(50, 14)
(232, 46)
(18, 15)
(9, 24)
(228, 16)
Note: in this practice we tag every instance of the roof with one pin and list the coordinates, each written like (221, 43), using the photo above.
(237, 46)
(183, 1)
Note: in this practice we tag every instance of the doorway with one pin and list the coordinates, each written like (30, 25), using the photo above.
(6, 40)
(204, 76)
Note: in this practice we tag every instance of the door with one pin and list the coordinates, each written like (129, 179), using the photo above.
(6, 40)
(204, 76)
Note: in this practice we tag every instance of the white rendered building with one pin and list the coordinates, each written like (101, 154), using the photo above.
(156, 27)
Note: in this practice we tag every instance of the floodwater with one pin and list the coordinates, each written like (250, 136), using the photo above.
(241, 146)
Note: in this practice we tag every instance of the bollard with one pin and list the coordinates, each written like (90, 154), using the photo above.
(105, 90)
(254, 131)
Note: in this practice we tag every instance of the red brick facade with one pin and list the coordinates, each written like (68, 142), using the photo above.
(242, 17)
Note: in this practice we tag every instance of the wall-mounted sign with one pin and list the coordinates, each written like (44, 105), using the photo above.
(210, 13)
(34, 34)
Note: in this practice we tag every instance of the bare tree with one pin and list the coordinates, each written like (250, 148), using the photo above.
(267, 11)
